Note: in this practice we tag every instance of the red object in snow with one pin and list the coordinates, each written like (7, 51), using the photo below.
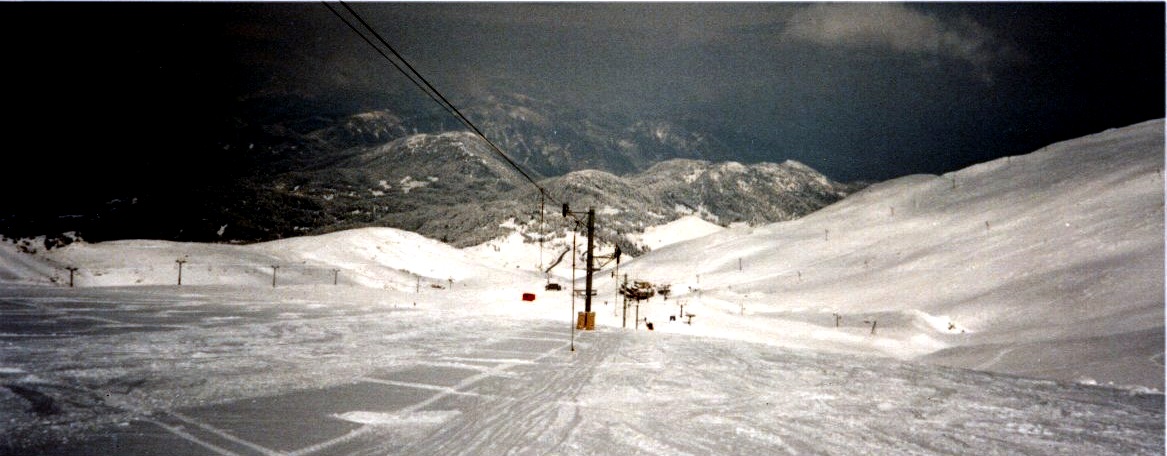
(528, 296)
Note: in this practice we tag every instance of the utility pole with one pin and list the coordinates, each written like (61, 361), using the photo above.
(616, 275)
(578, 323)
(590, 260)
(624, 314)
(542, 230)
(589, 265)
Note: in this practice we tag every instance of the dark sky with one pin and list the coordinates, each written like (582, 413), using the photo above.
(856, 90)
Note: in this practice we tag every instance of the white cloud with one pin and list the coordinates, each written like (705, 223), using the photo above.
(899, 28)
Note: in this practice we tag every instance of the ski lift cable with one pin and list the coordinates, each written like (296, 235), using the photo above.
(436, 95)
(433, 93)
(379, 51)
(444, 101)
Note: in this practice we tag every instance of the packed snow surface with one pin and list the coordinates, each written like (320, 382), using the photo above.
(1014, 307)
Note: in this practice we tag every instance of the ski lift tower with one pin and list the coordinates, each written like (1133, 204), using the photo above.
(589, 317)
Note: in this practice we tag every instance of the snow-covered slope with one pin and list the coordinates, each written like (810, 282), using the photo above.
(682, 229)
(371, 257)
(1048, 264)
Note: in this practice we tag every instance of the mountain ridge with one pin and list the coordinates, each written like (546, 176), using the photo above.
(282, 177)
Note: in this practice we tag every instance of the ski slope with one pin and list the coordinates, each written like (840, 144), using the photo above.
(1047, 265)
(1012, 307)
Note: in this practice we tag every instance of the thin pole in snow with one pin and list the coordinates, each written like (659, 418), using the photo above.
(274, 268)
(636, 322)
(180, 262)
(71, 269)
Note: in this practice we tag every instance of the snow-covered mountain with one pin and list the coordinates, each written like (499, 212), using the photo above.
(452, 187)
(278, 177)
(554, 138)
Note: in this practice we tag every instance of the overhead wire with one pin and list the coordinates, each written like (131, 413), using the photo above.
(379, 51)
(434, 94)
(445, 102)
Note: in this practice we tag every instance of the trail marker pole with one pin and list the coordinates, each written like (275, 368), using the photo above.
(636, 322)
(180, 262)
(274, 268)
(71, 269)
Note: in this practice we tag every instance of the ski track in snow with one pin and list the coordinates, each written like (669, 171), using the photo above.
(498, 384)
